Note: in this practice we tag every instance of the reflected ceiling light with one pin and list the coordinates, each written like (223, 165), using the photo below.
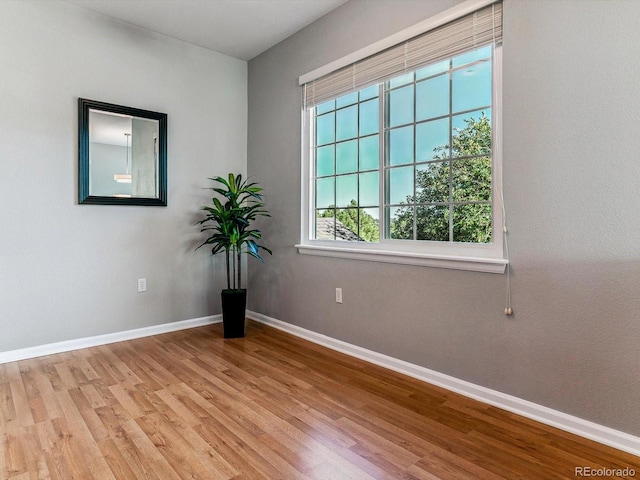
(124, 177)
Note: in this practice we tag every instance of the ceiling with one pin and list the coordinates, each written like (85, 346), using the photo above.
(238, 28)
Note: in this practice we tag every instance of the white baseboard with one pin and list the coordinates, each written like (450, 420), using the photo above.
(68, 345)
(584, 428)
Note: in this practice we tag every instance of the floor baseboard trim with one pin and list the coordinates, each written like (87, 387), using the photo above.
(76, 344)
(578, 426)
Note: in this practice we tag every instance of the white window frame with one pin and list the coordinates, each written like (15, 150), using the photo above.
(461, 256)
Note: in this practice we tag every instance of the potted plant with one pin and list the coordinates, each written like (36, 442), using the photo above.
(228, 224)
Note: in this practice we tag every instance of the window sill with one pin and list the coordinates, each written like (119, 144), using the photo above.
(474, 264)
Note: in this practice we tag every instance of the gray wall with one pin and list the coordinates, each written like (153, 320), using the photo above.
(571, 175)
(69, 271)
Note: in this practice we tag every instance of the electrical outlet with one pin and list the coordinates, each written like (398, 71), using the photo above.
(142, 285)
(338, 295)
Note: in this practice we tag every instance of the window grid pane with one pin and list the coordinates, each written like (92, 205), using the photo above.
(432, 159)
(448, 147)
(347, 168)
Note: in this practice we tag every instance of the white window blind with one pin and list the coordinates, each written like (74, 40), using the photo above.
(468, 32)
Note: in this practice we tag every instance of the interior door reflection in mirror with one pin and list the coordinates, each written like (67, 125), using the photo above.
(123, 155)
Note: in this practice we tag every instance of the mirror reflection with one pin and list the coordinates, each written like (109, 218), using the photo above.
(122, 155)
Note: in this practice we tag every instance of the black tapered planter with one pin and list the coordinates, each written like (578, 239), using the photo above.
(234, 304)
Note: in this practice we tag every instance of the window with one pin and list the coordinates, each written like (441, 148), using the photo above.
(347, 176)
(407, 168)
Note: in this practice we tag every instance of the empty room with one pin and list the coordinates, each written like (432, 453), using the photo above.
(319, 239)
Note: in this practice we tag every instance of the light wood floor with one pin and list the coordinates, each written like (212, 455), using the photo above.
(190, 405)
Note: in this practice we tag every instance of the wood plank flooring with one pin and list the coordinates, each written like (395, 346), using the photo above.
(190, 405)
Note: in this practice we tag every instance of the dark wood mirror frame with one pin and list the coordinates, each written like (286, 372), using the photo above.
(84, 165)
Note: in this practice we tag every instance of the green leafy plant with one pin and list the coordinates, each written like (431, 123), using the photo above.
(228, 223)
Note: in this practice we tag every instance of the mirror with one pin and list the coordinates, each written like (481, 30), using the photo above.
(122, 155)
